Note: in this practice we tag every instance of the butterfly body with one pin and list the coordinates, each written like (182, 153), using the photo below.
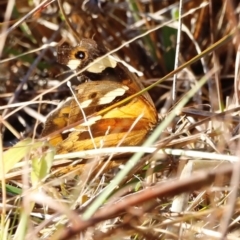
(109, 82)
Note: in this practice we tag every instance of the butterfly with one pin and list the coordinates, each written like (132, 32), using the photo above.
(77, 123)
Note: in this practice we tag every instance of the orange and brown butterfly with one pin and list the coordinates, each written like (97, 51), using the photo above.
(76, 125)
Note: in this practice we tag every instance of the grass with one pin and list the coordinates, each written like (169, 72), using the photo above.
(182, 183)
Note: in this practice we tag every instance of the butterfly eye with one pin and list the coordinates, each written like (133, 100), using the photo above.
(80, 55)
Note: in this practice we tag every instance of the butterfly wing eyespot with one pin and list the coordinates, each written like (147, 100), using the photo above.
(80, 55)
